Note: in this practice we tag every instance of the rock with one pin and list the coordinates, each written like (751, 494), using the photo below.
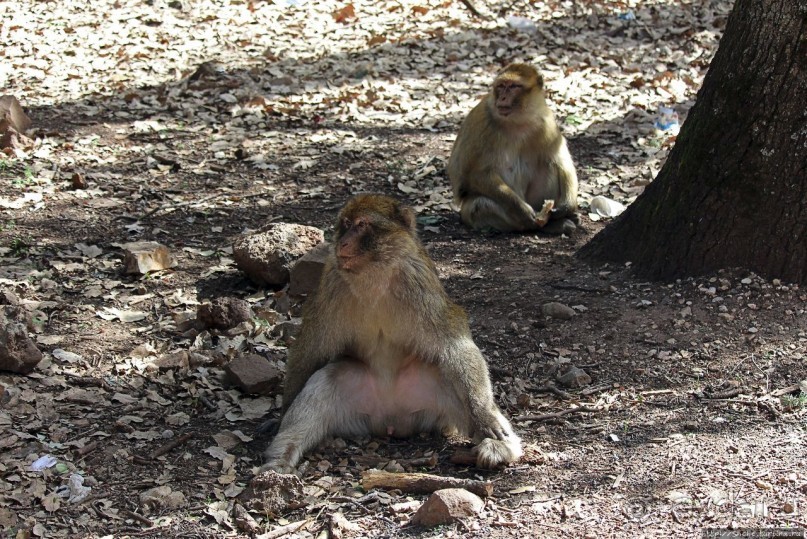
(288, 329)
(272, 493)
(254, 374)
(305, 273)
(18, 353)
(557, 310)
(145, 256)
(244, 521)
(13, 124)
(178, 360)
(11, 112)
(573, 377)
(162, 498)
(267, 256)
(224, 313)
(447, 506)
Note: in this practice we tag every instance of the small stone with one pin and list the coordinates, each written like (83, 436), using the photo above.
(18, 353)
(224, 313)
(272, 493)
(557, 310)
(141, 257)
(162, 498)
(254, 374)
(573, 377)
(447, 506)
(267, 256)
(244, 521)
(305, 273)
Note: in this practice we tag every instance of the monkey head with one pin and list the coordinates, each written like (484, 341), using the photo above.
(515, 86)
(372, 230)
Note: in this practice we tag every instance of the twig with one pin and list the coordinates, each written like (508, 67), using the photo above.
(89, 448)
(472, 9)
(421, 483)
(557, 415)
(140, 518)
(552, 388)
(160, 451)
(285, 530)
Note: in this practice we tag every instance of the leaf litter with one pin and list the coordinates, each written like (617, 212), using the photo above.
(189, 123)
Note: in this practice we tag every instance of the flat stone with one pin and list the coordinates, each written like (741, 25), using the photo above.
(145, 256)
(254, 374)
(18, 353)
(447, 506)
(305, 273)
(224, 313)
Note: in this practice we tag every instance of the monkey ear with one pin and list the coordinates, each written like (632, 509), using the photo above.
(406, 216)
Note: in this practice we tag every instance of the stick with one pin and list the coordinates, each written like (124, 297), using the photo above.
(421, 483)
(472, 9)
(160, 451)
(140, 518)
(556, 415)
(285, 530)
(463, 457)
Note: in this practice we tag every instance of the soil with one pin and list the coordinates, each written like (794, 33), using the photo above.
(695, 418)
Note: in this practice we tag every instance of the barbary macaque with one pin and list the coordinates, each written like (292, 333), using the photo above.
(383, 351)
(510, 168)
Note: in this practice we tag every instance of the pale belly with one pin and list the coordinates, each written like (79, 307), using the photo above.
(400, 403)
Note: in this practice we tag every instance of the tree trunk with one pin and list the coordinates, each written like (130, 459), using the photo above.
(733, 192)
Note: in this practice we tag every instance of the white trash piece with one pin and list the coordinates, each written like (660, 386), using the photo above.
(605, 207)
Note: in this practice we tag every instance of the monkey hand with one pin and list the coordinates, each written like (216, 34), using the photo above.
(542, 217)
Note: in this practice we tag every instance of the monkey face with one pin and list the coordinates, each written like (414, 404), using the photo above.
(369, 230)
(508, 97)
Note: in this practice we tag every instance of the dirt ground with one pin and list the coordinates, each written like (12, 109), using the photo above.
(695, 416)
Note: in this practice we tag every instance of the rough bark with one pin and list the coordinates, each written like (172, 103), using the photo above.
(733, 192)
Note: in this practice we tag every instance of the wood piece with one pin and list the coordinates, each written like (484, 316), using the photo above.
(285, 530)
(421, 483)
(556, 415)
(160, 451)
(463, 457)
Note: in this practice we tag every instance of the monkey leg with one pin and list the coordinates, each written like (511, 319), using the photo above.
(500, 451)
(318, 411)
(483, 212)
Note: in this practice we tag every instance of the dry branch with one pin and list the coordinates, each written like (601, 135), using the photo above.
(160, 451)
(421, 483)
(557, 415)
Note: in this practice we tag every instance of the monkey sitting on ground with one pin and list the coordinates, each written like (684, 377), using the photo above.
(383, 351)
(510, 164)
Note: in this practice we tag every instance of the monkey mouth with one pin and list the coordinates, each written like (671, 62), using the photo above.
(346, 263)
(504, 111)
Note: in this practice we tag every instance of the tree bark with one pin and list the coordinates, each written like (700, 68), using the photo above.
(733, 192)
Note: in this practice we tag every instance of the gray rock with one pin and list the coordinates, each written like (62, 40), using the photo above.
(446, 506)
(271, 493)
(557, 310)
(267, 256)
(305, 273)
(254, 374)
(18, 353)
(141, 257)
(573, 377)
(224, 313)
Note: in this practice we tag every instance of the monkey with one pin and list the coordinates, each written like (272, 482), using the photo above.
(510, 160)
(383, 351)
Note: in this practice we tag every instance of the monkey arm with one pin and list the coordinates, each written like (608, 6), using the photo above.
(321, 340)
(566, 202)
(464, 368)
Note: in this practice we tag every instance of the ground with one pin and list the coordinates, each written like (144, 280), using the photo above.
(192, 123)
